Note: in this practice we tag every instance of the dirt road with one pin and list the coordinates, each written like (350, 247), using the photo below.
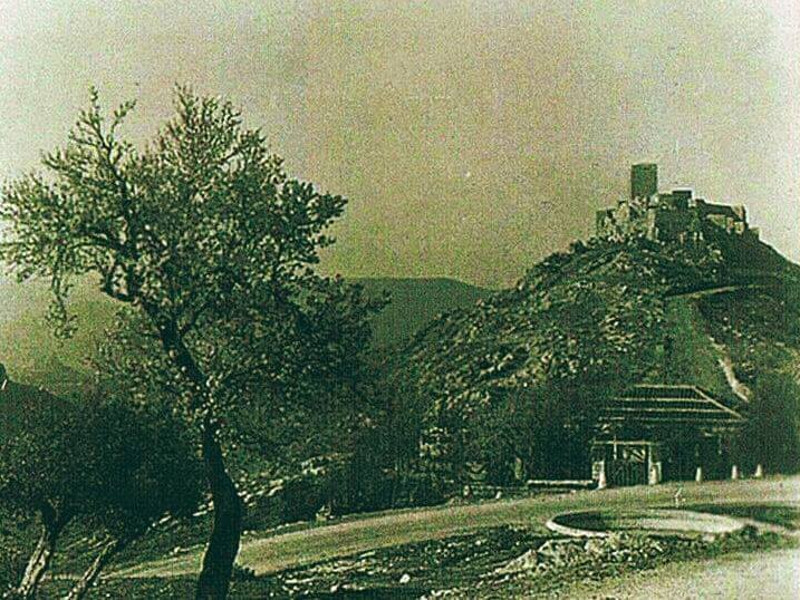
(774, 575)
(271, 552)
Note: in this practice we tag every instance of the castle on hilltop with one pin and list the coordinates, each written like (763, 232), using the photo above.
(667, 217)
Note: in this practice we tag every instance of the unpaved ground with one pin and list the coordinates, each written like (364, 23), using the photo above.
(275, 552)
(494, 564)
(774, 575)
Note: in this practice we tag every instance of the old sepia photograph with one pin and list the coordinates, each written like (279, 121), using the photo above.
(402, 299)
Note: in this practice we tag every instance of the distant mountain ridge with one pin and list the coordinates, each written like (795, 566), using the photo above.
(413, 303)
(34, 356)
(27, 346)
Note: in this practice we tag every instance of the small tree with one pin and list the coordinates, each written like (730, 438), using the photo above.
(134, 485)
(41, 469)
(205, 236)
(771, 436)
(114, 469)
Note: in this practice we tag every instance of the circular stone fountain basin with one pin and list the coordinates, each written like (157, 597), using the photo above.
(651, 521)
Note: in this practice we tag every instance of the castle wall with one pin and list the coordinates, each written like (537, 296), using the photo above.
(674, 216)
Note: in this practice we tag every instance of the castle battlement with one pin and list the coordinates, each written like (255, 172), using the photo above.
(675, 216)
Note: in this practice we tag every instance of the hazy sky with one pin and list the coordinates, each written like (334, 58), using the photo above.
(472, 138)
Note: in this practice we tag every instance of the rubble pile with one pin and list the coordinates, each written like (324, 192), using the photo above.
(558, 562)
(631, 550)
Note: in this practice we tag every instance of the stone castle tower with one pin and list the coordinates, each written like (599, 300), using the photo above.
(675, 216)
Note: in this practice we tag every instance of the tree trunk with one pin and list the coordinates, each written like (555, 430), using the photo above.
(91, 574)
(223, 546)
(39, 561)
(224, 543)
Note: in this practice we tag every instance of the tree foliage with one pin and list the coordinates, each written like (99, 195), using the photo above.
(771, 436)
(542, 432)
(114, 469)
(205, 236)
(203, 230)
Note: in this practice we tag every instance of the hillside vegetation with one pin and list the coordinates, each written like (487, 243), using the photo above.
(598, 318)
(600, 307)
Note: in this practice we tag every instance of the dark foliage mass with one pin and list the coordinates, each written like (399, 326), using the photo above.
(100, 465)
(772, 434)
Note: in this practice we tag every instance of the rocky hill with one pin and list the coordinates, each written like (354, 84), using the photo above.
(716, 314)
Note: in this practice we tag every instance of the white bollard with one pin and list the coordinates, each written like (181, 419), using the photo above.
(602, 483)
(734, 472)
(652, 475)
(698, 475)
(759, 471)
(678, 497)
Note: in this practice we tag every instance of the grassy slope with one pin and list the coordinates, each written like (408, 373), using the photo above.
(759, 327)
(692, 357)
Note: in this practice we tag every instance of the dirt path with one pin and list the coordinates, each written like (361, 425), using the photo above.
(275, 552)
(724, 359)
(774, 575)
(717, 290)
